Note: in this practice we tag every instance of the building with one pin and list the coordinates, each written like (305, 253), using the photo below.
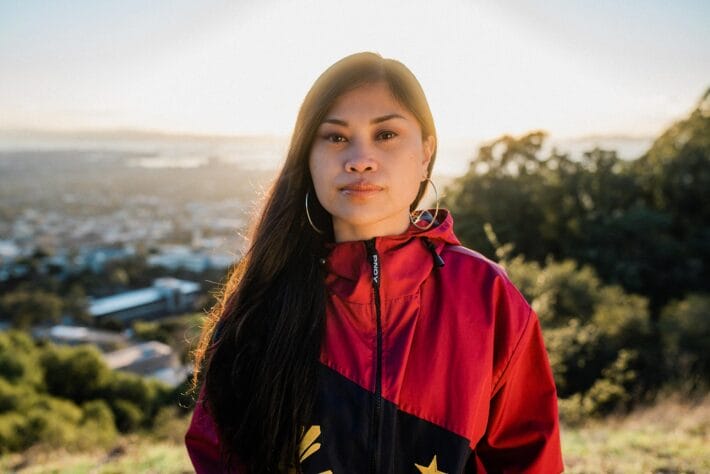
(174, 257)
(149, 359)
(166, 296)
(96, 258)
(75, 335)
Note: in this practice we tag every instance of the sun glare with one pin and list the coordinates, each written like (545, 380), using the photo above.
(235, 69)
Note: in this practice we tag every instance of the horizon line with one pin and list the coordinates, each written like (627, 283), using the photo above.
(135, 132)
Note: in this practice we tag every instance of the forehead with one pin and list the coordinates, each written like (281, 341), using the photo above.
(367, 99)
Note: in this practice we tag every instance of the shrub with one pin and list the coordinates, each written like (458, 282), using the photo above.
(621, 316)
(170, 425)
(603, 397)
(571, 411)
(18, 359)
(76, 373)
(13, 397)
(574, 353)
(613, 390)
(128, 415)
(564, 291)
(53, 422)
(144, 393)
(597, 336)
(57, 423)
(41, 387)
(130, 387)
(685, 334)
(97, 411)
(151, 331)
(25, 308)
(12, 432)
(97, 423)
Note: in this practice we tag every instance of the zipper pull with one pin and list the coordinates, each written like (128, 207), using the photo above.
(438, 261)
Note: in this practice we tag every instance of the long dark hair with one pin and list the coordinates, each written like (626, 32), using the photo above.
(259, 348)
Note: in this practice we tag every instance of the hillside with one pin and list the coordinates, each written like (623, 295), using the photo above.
(671, 436)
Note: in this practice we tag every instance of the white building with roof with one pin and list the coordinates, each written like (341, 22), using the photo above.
(75, 335)
(174, 257)
(149, 359)
(166, 296)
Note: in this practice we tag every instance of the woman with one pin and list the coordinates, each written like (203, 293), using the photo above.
(357, 335)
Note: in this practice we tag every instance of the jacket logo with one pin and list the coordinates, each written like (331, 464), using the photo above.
(430, 469)
(375, 270)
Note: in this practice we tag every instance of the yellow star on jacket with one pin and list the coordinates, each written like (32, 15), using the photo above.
(309, 446)
(430, 469)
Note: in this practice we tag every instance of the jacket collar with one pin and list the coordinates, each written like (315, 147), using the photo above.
(405, 262)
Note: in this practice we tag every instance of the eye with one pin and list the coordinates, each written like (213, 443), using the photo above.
(334, 138)
(386, 135)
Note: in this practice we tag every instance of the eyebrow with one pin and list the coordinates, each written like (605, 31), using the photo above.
(383, 118)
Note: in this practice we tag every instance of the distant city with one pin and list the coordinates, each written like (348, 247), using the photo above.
(141, 234)
(73, 206)
(86, 207)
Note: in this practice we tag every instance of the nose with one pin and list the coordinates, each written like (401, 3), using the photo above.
(361, 159)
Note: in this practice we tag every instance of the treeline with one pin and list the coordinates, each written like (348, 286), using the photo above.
(614, 256)
(67, 397)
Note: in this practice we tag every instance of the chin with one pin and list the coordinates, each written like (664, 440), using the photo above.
(369, 219)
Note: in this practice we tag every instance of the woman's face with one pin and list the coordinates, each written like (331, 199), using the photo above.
(367, 161)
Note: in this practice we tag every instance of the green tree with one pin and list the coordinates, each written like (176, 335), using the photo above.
(98, 423)
(675, 177)
(79, 374)
(596, 335)
(685, 332)
(12, 429)
(18, 360)
(52, 421)
(642, 224)
(26, 308)
(129, 416)
(76, 304)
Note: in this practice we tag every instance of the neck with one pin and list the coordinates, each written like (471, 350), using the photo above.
(346, 232)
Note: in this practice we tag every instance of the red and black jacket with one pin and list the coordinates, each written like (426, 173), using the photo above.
(432, 362)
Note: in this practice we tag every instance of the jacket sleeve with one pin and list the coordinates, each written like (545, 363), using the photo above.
(523, 434)
(202, 442)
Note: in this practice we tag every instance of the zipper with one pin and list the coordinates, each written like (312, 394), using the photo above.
(374, 258)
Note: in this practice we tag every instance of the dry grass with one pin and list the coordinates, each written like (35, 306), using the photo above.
(131, 455)
(161, 451)
(672, 436)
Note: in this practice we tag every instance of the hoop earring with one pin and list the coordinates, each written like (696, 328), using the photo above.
(308, 215)
(415, 216)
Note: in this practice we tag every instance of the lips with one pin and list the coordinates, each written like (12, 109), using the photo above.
(361, 188)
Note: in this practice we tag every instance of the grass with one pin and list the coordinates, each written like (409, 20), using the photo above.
(160, 451)
(670, 437)
(129, 455)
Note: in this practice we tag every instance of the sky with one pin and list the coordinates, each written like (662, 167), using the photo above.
(573, 68)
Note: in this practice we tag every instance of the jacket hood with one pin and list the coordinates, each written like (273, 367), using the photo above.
(406, 260)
